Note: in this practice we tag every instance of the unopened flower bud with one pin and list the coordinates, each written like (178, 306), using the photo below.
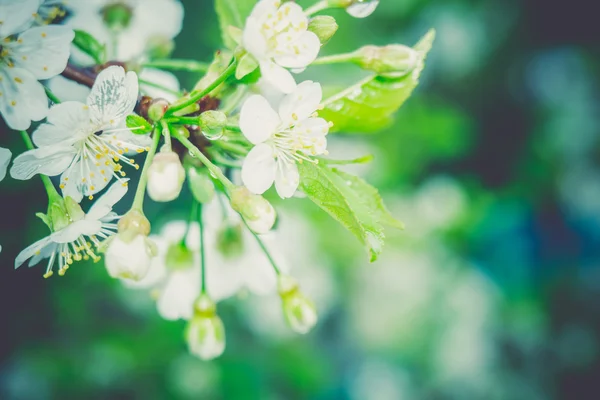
(157, 108)
(165, 177)
(117, 16)
(213, 124)
(129, 252)
(201, 186)
(324, 27)
(230, 241)
(390, 61)
(205, 333)
(258, 213)
(299, 311)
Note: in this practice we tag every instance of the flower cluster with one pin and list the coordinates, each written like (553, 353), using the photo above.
(95, 71)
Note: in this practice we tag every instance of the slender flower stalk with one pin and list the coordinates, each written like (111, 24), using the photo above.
(334, 59)
(195, 96)
(202, 250)
(50, 189)
(138, 200)
(177, 65)
(317, 7)
(52, 96)
(216, 171)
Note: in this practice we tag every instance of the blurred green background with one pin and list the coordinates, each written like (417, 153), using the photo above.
(492, 292)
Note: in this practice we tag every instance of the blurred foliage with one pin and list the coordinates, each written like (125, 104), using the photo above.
(491, 292)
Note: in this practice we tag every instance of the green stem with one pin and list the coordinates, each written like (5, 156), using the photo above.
(184, 120)
(347, 91)
(232, 147)
(138, 200)
(192, 219)
(50, 189)
(202, 252)
(215, 171)
(197, 95)
(315, 8)
(334, 59)
(233, 128)
(167, 134)
(51, 96)
(159, 87)
(178, 65)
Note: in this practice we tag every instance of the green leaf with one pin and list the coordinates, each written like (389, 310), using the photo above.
(137, 124)
(232, 13)
(89, 45)
(369, 105)
(349, 200)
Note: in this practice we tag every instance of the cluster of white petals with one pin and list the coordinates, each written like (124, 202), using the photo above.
(87, 143)
(276, 36)
(128, 28)
(228, 270)
(282, 138)
(28, 55)
(76, 240)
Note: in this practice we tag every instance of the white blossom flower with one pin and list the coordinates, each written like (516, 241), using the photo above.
(234, 262)
(87, 142)
(81, 232)
(128, 28)
(281, 139)
(5, 156)
(26, 57)
(362, 8)
(277, 37)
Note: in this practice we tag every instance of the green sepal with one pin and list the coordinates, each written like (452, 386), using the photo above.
(232, 13)
(45, 219)
(138, 125)
(246, 65)
(73, 209)
(89, 45)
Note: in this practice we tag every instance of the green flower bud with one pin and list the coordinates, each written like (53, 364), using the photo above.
(258, 213)
(299, 311)
(117, 16)
(179, 257)
(213, 124)
(230, 241)
(390, 61)
(205, 333)
(324, 27)
(157, 109)
(201, 186)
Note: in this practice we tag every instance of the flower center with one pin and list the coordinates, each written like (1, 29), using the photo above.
(117, 15)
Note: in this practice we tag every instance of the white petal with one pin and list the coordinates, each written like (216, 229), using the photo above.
(301, 103)
(287, 179)
(277, 76)
(65, 121)
(16, 16)
(43, 50)
(258, 121)
(76, 229)
(253, 40)
(312, 127)
(300, 52)
(68, 90)
(105, 203)
(31, 251)
(177, 297)
(86, 177)
(5, 156)
(45, 252)
(263, 8)
(113, 96)
(49, 160)
(162, 78)
(23, 98)
(258, 170)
